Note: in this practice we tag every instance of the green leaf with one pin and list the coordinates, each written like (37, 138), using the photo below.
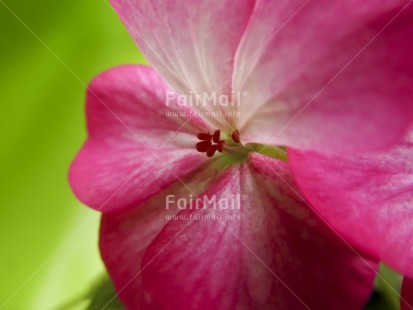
(50, 50)
(104, 296)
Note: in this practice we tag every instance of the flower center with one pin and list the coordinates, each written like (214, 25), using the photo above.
(229, 144)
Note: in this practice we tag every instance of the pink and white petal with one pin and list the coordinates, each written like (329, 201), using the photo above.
(368, 199)
(134, 149)
(190, 43)
(406, 301)
(266, 251)
(134, 97)
(124, 236)
(331, 75)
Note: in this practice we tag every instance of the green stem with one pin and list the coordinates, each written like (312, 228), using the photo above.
(278, 152)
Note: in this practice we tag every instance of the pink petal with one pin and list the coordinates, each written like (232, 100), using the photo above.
(124, 236)
(330, 75)
(368, 199)
(134, 150)
(277, 256)
(406, 302)
(190, 43)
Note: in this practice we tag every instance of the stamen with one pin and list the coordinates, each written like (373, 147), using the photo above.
(204, 136)
(203, 146)
(235, 136)
(212, 149)
(211, 143)
(216, 136)
(220, 146)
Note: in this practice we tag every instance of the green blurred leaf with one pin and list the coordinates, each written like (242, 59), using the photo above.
(386, 295)
(50, 50)
(104, 296)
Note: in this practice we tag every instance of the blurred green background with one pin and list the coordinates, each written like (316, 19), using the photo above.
(49, 52)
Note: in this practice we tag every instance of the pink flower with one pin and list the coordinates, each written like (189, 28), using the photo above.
(319, 77)
(367, 198)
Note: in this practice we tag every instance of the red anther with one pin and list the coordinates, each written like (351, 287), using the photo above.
(212, 149)
(203, 146)
(220, 146)
(217, 134)
(235, 136)
(204, 136)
